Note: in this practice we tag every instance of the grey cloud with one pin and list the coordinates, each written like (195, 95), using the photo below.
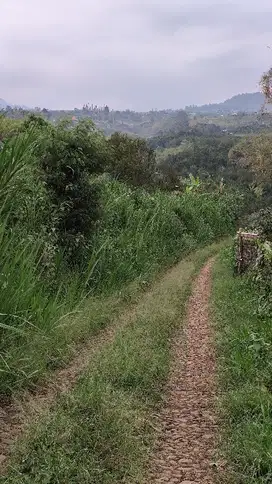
(136, 54)
(171, 16)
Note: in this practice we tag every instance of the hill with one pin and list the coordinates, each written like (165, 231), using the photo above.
(239, 114)
(248, 102)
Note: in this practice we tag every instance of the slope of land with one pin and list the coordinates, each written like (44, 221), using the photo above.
(26, 407)
(246, 102)
(244, 358)
(102, 430)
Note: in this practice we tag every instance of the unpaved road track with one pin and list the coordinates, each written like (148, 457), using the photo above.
(185, 448)
(15, 416)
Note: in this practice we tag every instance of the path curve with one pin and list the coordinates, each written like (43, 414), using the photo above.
(15, 416)
(186, 443)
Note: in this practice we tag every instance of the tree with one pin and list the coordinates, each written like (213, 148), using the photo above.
(132, 160)
(8, 127)
(177, 121)
(255, 154)
(167, 178)
(45, 113)
(68, 156)
(200, 156)
(266, 85)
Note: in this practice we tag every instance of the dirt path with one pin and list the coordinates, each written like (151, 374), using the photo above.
(185, 447)
(184, 451)
(16, 415)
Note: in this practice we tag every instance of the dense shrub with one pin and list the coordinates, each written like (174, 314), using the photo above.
(26, 244)
(244, 350)
(260, 271)
(8, 127)
(261, 221)
(132, 160)
(68, 157)
(140, 231)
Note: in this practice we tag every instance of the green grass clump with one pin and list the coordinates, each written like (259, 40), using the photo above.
(103, 430)
(245, 356)
(141, 232)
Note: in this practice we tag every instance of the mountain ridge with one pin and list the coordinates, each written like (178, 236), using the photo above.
(244, 102)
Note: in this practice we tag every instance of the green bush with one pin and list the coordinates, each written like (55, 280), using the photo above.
(8, 127)
(140, 232)
(261, 272)
(131, 160)
(68, 157)
(261, 221)
(244, 359)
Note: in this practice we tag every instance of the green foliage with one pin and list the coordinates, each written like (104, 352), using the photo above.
(262, 277)
(132, 160)
(8, 127)
(143, 124)
(68, 157)
(192, 183)
(203, 156)
(261, 271)
(245, 356)
(261, 222)
(140, 231)
(28, 261)
(232, 117)
(173, 122)
(255, 154)
(266, 85)
(50, 215)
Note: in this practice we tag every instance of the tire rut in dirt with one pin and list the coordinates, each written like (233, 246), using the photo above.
(16, 415)
(185, 447)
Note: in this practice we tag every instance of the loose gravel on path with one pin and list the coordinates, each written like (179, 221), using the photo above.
(185, 448)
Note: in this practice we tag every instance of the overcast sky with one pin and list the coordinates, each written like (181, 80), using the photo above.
(132, 54)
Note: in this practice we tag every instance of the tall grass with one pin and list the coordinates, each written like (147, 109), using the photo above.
(102, 431)
(28, 308)
(138, 234)
(141, 232)
(245, 357)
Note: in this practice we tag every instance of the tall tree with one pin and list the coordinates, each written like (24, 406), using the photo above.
(255, 153)
(132, 160)
(266, 85)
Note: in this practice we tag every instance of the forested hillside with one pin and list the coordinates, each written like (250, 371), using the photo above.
(247, 102)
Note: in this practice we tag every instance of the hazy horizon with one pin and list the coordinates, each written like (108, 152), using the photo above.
(138, 55)
(117, 109)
